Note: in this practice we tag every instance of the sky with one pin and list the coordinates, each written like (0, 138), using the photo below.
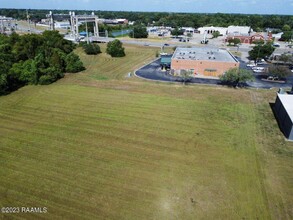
(194, 6)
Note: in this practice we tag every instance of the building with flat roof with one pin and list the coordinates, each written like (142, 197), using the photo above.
(284, 114)
(62, 24)
(212, 29)
(205, 61)
(239, 30)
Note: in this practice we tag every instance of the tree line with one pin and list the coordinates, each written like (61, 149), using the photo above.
(257, 22)
(35, 59)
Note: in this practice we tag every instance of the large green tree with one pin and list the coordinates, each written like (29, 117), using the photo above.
(115, 49)
(279, 71)
(236, 77)
(35, 59)
(177, 32)
(287, 36)
(261, 51)
(139, 31)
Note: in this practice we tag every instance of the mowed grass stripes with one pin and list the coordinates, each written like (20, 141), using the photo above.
(97, 153)
(105, 67)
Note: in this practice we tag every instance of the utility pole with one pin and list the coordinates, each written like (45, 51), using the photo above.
(28, 20)
(87, 33)
(2, 26)
(258, 53)
(52, 25)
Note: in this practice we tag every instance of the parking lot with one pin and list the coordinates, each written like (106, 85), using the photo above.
(153, 71)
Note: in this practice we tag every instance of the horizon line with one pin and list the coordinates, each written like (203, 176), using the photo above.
(173, 12)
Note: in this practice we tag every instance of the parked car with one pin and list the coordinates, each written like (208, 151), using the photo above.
(258, 68)
(273, 78)
(251, 64)
(257, 71)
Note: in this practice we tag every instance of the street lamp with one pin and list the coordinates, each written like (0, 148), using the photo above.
(28, 20)
(87, 33)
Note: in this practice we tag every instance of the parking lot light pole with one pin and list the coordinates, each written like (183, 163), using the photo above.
(87, 33)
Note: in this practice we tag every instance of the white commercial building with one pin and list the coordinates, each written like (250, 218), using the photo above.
(211, 29)
(62, 24)
(240, 30)
(284, 113)
(188, 30)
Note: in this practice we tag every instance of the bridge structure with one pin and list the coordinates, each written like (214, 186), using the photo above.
(75, 21)
(56, 17)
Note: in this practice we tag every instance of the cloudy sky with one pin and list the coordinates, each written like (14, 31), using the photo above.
(197, 6)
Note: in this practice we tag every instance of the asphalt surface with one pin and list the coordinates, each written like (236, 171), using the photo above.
(153, 71)
(259, 83)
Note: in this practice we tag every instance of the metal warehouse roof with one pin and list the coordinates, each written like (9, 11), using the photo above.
(287, 101)
(204, 53)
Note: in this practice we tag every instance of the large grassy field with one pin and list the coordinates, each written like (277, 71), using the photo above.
(97, 145)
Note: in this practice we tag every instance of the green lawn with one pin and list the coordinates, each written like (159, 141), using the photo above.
(104, 67)
(120, 148)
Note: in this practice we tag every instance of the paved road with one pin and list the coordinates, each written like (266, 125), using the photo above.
(153, 71)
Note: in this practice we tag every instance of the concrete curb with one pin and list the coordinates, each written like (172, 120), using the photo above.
(192, 83)
(155, 80)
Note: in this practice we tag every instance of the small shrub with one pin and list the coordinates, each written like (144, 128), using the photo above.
(115, 49)
(91, 49)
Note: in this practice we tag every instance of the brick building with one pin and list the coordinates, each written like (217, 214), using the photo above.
(250, 38)
(205, 61)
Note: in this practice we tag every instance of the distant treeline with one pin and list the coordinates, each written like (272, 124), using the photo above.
(172, 19)
(35, 59)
